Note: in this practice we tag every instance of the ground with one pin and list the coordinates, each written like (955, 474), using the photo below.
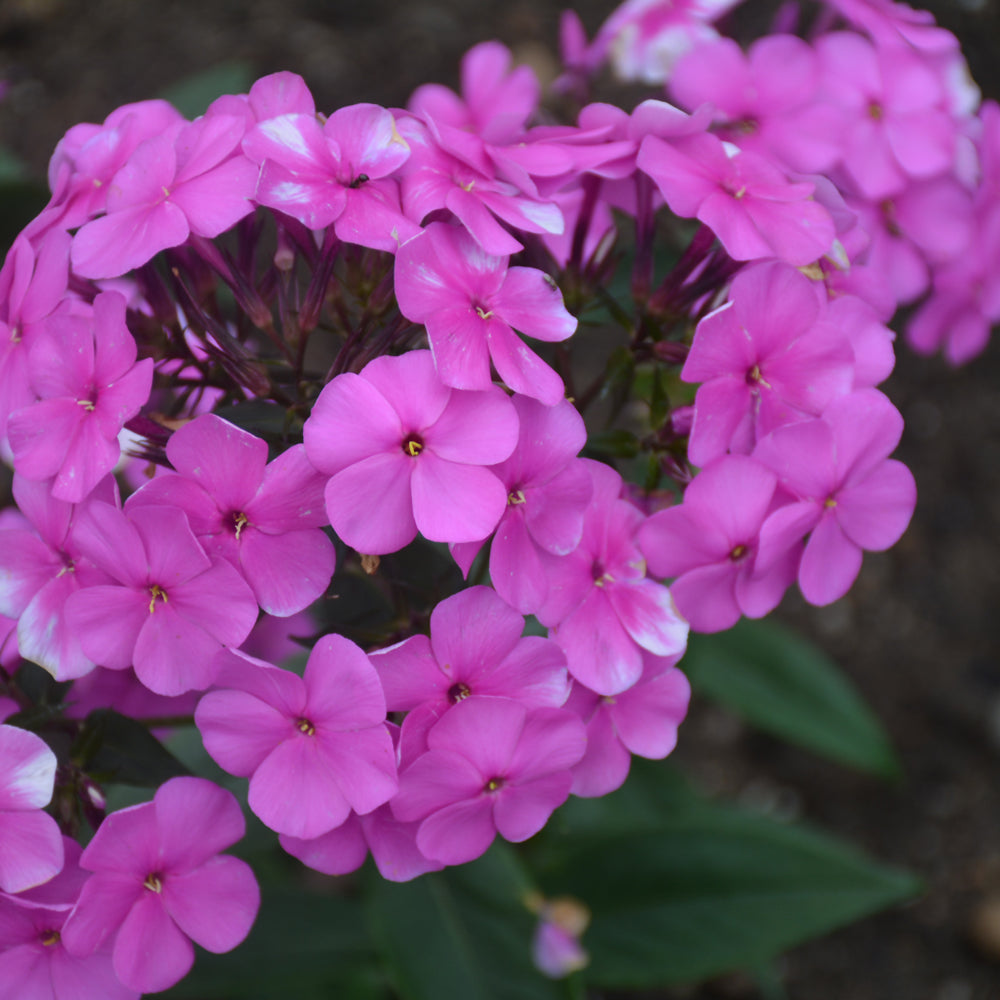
(919, 633)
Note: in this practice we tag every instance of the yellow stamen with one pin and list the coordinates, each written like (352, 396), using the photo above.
(412, 448)
(153, 883)
(482, 314)
(87, 404)
(515, 497)
(306, 727)
(51, 938)
(240, 520)
(156, 591)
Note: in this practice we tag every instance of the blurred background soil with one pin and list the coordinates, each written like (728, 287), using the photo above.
(920, 632)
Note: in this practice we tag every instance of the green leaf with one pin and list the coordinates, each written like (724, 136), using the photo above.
(12, 168)
(192, 95)
(115, 748)
(303, 945)
(616, 443)
(787, 686)
(463, 933)
(702, 889)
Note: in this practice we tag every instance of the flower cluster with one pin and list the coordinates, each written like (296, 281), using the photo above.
(248, 359)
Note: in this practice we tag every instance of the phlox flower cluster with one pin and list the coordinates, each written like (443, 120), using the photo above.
(247, 360)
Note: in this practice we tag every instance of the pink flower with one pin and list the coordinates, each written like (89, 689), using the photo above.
(32, 286)
(40, 570)
(393, 846)
(314, 747)
(493, 766)
(406, 453)
(475, 648)
(173, 608)
(602, 609)
(160, 882)
(766, 358)
(466, 183)
(338, 173)
(34, 963)
(470, 301)
(85, 373)
(709, 543)
(496, 101)
(743, 198)
(767, 99)
(263, 518)
(555, 946)
(88, 157)
(547, 496)
(187, 179)
(901, 127)
(642, 720)
(31, 847)
(849, 495)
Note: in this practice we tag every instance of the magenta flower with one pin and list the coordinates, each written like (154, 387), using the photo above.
(765, 359)
(901, 127)
(496, 101)
(547, 496)
(470, 301)
(88, 156)
(34, 963)
(338, 173)
(190, 178)
(314, 747)
(31, 846)
(174, 607)
(467, 185)
(709, 543)
(849, 495)
(406, 453)
(493, 767)
(767, 98)
(85, 373)
(743, 198)
(160, 882)
(475, 648)
(602, 609)
(264, 519)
